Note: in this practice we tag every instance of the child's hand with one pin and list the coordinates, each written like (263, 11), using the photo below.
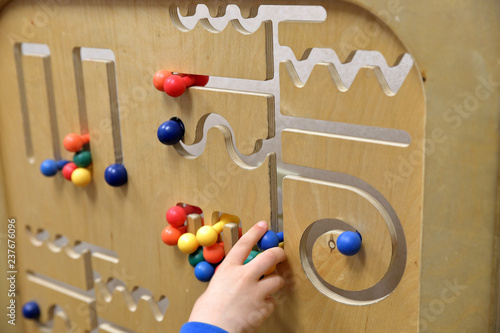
(236, 300)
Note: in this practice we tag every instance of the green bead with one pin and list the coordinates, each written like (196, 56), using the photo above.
(196, 257)
(251, 256)
(82, 159)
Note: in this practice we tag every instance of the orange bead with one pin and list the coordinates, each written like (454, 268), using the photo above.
(159, 79)
(170, 235)
(74, 142)
(213, 254)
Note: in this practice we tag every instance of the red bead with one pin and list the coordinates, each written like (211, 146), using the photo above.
(240, 232)
(189, 80)
(174, 86)
(68, 169)
(192, 210)
(170, 235)
(201, 80)
(74, 142)
(159, 79)
(176, 216)
(213, 254)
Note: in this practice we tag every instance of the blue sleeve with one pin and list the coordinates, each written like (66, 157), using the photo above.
(195, 327)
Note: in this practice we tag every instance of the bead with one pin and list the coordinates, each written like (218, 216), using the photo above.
(82, 158)
(349, 243)
(116, 175)
(280, 236)
(192, 210)
(196, 257)
(171, 131)
(204, 271)
(159, 79)
(270, 270)
(207, 236)
(60, 164)
(229, 218)
(213, 254)
(201, 80)
(176, 216)
(268, 241)
(81, 177)
(219, 226)
(31, 310)
(68, 169)
(48, 168)
(174, 86)
(251, 256)
(189, 80)
(187, 243)
(74, 142)
(170, 235)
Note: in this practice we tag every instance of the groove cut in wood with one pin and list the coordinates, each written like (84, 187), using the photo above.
(250, 115)
(60, 263)
(119, 306)
(320, 99)
(78, 307)
(37, 105)
(101, 97)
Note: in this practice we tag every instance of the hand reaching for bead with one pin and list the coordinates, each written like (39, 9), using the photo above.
(238, 299)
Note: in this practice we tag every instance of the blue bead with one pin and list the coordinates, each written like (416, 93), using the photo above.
(349, 243)
(60, 164)
(48, 168)
(269, 240)
(116, 175)
(171, 131)
(280, 236)
(31, 310)
(204, 271)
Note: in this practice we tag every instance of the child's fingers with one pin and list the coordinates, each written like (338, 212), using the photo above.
(271, 284)
(242, 248)
(266, 260)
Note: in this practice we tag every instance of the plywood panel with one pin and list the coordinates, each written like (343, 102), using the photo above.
(78, 307)
(461, 144)
(60, 263)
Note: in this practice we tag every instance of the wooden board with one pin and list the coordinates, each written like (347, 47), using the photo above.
(78, 307)
(109, 220)
(58, 262)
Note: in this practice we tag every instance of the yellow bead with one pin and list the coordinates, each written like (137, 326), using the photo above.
(270, 270)
(229, 218)
(207, 236)
(81, 177)
(219, 226)
(282, 245)
(187, 243)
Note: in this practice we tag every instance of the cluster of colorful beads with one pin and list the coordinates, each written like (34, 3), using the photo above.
(78, 171)
(204, 248)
